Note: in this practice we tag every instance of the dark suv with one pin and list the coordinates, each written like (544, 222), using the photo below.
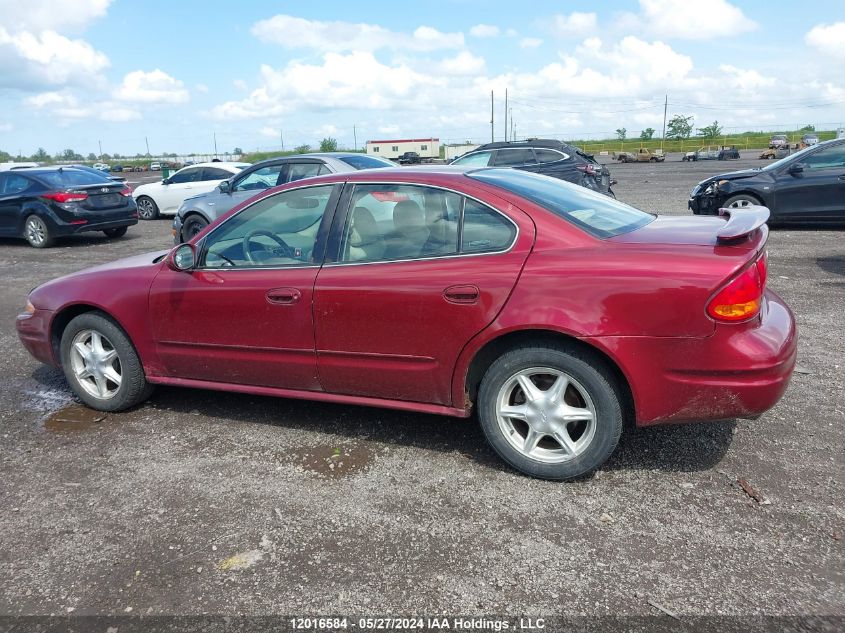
(547, 157)
(43, 203)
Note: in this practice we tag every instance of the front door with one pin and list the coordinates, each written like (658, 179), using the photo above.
(818, 191)
(417, 272)
(243, 315)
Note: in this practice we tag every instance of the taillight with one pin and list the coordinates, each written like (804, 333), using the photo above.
(587, 168)
(389, 196)
(66, 196)
(740, 299)
(763, 268)
(126, 191)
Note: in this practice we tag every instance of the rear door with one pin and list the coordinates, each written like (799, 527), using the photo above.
(416, 273)
(817, 192)
(13, 188)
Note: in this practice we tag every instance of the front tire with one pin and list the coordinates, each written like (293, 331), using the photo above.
(118, 232)
(37, 233)
(193, 225)
(147, 208)
(101, 364)
(741, 201)
(550, 412)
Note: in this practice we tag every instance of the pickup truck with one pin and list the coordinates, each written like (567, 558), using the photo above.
(643, 155)
(409, 158)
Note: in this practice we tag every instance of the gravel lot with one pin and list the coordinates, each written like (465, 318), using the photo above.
(202, 502)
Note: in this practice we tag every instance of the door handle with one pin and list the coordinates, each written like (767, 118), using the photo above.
(283, 296)
(461, 294)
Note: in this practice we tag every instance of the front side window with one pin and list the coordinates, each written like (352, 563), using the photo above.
(186, 175)
(280, 230)
(478, 159)
(391, 222)
(259, 179)
(829, 157)
(215, 173)
(598, 215)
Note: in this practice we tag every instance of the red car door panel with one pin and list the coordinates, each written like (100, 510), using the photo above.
(266, 337)
(394, 329)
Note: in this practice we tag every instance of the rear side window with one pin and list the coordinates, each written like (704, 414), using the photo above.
(73, 178)
(11, 184)
(298, 171)
(484, 229)
(214, 173)
(549, 155)
(593, 212)
(514, 157)
(192, 174)
(365, 162)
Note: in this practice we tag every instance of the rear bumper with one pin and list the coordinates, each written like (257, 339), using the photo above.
(84, 222)
(34, 333)
(741, 371)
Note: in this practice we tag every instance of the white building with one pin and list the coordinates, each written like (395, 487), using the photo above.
(453, 151)
(425, 147)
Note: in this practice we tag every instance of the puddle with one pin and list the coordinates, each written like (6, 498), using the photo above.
(336, 462)
(74, 417)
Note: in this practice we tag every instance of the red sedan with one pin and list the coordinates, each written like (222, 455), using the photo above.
(553, 311)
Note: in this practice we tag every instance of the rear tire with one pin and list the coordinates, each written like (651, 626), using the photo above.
(101, 364)
(37, 233)
(550, 412)
(147, 208)
(118, 232)
(193, 225)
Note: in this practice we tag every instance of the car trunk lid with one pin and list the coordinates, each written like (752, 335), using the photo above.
(102, 196)
(735, 227)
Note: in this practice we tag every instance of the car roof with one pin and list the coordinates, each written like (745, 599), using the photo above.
(220, 163)
(537, 142)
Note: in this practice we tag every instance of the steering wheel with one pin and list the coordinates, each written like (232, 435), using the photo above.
(283, 251)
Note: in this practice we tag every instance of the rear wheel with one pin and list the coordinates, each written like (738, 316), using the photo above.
(101, 364)
(193, 225)
(550, 412)
(118, 232)
(37, 233)
(147, 208)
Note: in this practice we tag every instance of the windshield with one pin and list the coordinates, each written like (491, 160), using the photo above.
(595, 213)
(366, 162)
(64, 178)
(788, 158)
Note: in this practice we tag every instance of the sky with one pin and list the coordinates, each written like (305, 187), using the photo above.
(120, 74)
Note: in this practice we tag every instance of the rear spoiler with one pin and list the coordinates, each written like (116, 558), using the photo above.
(741, 222)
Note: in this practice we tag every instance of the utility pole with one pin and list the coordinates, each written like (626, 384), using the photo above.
(148, 145)
(491, 117)
(215, 144)
(506, 115)
(512, 137)
(101, 149)
(665, 105)
(355, 138)
(282, 138)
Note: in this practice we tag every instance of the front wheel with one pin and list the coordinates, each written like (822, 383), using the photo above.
(741, 201)
(550, 412)
(101, 364)
(118, 232)
(193, 225)
(147, 208)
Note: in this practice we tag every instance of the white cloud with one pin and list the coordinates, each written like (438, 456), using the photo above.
(119, 115)
(828, 39)
(42, 15)
(388, 129)
(745, 80)
(239, 84)
(326, 130)
(6, 127)
(201, 88)
(576, 23)
(484, 30)
(694, 19)
(270, 132)
(27, 59)
(155, 86)
(292, 32)
(530, 42)
(340, 80)
(464, 63)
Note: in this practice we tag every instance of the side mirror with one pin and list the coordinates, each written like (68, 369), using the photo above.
(182, 258)
(224, 187)
(796, 168)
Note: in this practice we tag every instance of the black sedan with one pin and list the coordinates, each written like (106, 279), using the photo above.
(44, 203)
(543, 156)
(808, 186)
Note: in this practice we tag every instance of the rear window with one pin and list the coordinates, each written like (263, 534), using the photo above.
(595, 213)
(62, 179)
(366, 162)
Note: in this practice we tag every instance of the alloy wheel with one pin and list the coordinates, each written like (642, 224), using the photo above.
(35, 231)
(95, 364)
